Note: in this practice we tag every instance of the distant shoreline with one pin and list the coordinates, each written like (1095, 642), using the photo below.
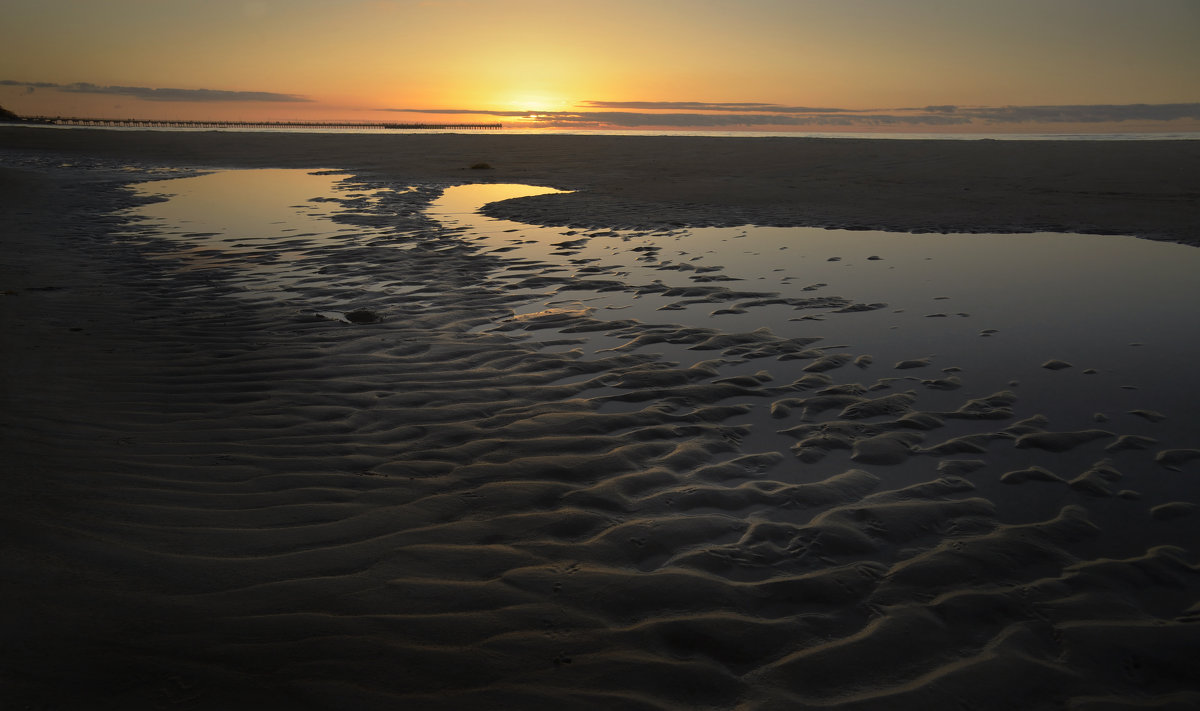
(300, 126)
(1144, 188)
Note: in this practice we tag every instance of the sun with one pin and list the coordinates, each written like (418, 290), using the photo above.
(536, 103)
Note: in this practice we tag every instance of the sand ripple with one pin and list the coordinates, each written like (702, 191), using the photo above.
(219, 500)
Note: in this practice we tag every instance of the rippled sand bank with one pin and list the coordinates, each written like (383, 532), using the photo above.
(396, 464)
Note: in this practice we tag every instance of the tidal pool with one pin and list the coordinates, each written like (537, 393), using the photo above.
(983, 310)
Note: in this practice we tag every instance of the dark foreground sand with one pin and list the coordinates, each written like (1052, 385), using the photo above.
(216, 501)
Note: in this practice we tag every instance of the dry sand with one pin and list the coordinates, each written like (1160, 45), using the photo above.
(213, 500)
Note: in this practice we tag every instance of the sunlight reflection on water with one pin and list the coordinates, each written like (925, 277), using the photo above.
(996, 306)
(250, 219)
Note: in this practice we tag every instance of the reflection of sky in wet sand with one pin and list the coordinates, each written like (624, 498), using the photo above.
(1081, 298)
(351, 391)
(249, 204)
(1074, 296)
(992, 307)
(268, 226)
(244, 219)
(465, 200)
(1085, 299)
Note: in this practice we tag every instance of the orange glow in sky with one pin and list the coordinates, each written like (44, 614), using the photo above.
(862, 64)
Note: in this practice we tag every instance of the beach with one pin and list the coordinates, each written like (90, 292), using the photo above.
(645, 443)
(1143, 188)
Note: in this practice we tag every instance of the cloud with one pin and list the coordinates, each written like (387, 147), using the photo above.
(709, 106)
(1086, 113)
(664, 114)
(637, 119)
(629, 119)
(152, 94)
(477, 112)
(28, 84)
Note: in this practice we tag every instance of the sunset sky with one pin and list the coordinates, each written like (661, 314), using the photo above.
(933, 65)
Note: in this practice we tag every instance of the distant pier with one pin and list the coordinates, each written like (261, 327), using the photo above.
(154, 123)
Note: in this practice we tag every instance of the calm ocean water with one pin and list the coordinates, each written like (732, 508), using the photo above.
(1178, 136)
(916, 136)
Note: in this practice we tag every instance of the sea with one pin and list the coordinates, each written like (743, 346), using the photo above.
(881, 135)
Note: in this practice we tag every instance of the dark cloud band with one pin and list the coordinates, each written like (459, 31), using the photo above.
(709, 106)
(731, 115)
(1098, 113)
(152, 94)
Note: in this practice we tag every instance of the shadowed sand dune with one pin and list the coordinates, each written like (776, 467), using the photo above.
(357, 479)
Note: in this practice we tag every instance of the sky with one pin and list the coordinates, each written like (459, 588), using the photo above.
(800, 65)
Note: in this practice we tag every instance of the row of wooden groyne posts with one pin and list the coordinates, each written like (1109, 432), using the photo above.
(154, 123)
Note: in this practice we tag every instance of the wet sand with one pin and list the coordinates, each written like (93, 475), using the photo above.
(366, 475)
(1143, 188)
